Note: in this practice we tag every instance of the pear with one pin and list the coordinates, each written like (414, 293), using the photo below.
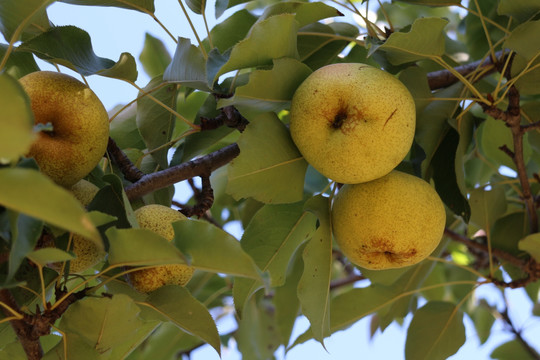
(352, 122)
(391, 222)
(80, 126)
(159, 219)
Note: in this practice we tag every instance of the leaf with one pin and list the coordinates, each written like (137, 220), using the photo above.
(24, 239)
(270, 90)
(522, 10)
(76, 347)
(314, 285)
(257, 334)
(523, 40)
(487, 206)
(269, 168)
(424, 40)
(259, 49)
(483, 320)
(16, 120)
(137, 247)
(192, 316)
(222, 5)
(156, 123)
(18, 15)
(45, 256)
(432, 2)
(123, 129)
(231, 30)
(212, 249)
(18, 63)
(103, 322)
(154, 56)
(436, 332)
(188, 66)
(274, 233)
(72, 47)
(508, 231)
(531, 244)
(512, 350)
(34, 194)
(306, 13)
(139, 5)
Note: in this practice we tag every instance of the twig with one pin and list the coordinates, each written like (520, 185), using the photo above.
(184, 171)
(130, 171)
(203, 197)
(229, 116)
(506, 318)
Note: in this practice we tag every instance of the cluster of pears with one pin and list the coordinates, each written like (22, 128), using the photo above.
(355, 123)
(71, 150)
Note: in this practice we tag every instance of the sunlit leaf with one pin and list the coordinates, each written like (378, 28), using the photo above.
(155, 122)
(432, 2)
(436, 332)
(136, 247)
(531, 244)
(16, 120)
(191, 315)
(523, 40)
(154, 56)
(314, 285)
(520, 9)
(72, 47)
(34, 194)
(139, 5)
(231, 30)
(270, 90)
(209, 248)
(259, 49)
(269, 168)
(306, 13)
(424, 40)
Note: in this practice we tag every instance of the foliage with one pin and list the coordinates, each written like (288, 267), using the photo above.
(221, 107)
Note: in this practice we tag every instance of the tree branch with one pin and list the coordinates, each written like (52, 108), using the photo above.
(130, 171)
(201, 166)
(506, 318)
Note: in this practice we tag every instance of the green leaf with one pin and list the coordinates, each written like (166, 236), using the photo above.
(137, 247)
(436, 332)
(191, 316)
(522, 10)
(524, 41)
(103, 322)
(16, 120)
(24, 239)
(18, 15)
(155, 123)
(123, 129)
(188, 66)
(19, 63)
(34, 194)
(72, 47)
(424, 40)
(487, 206)
(46, 256)
(154, 56)
(259, 49)
(231, 30)
(508, 231)
(483, 320)
(314, 285)
(145, 6)
(269, 168)
(76, 347)
(531, 244)
(306, 13)
(257, 334)
(274, 233)
(197, 6)
(512, 350)
(432, 2)
(212, 249)
(222, 5)
(270, 90)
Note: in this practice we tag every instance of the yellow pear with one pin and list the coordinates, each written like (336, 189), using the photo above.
(391, 222)
(86, 251)
(80, 124)
(352, 122)
(159, 219)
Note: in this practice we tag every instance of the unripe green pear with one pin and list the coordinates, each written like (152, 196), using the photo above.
(352, 122)
(80, 126)
(159, 219)
(86, 251)
(391, 222)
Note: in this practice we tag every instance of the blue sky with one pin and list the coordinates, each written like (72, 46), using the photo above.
(114, 31)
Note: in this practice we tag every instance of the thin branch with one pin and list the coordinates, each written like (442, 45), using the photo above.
(130, 171)
(506, 318)
(204, 198)
(200, 166)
